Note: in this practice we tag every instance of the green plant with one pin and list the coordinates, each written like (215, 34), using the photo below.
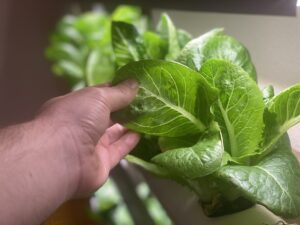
(109, 207)
(81, 46)
(218, 135)
(204, 120)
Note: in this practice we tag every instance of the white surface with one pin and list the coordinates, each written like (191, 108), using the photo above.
(179, 201)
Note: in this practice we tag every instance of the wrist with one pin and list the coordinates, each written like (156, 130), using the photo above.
(35, 166)
(62, 155)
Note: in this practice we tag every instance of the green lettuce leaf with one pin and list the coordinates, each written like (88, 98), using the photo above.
(151, 167)
(99, 67)
(239, 109)
(274, 182)
(216, 45)
(183, 37)
(155, 46)
(268, 93)
(65, 31)
(94, 27)
(168, 32)
(196, 161)
(126, 13)
(172, 99)
(169, 143)
(283, 112)
(126, 43)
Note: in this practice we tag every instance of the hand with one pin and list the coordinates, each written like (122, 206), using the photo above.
(91, 143)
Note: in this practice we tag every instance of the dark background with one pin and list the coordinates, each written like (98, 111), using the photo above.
(25, 78)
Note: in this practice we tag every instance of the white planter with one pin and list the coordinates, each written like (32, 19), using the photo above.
(183, 207)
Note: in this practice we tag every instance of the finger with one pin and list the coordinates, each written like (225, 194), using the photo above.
(122, 147)
(108, 84)
(120, 96)
(111, 123)
(112, 134)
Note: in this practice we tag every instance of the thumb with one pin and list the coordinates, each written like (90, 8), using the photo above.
(121, 95)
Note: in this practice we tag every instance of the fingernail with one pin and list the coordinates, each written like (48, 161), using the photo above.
(133, 84)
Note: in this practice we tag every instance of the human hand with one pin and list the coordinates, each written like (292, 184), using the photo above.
(91, 144)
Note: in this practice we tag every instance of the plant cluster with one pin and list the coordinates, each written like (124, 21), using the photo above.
(205, 122)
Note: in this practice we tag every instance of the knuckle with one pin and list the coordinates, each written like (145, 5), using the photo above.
(103, 101)
(99, 95)
(100, 99)
(124, 90)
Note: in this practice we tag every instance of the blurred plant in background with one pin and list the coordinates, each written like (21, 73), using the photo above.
(81, 46)
(108, 206)
(82, 51)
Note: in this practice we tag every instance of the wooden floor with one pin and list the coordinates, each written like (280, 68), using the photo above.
(72, 213)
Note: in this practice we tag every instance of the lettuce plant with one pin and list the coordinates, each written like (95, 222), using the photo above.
(81, 45)
(204, 120)
(209, 126)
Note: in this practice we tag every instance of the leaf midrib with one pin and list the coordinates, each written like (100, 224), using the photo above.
(230, 130)
(182, 112)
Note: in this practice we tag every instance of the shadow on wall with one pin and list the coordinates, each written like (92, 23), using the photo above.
(25, 78)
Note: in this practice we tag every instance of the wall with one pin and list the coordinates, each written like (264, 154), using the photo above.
(274, 41)
(25, 78)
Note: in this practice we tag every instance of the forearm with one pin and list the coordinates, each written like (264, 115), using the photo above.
(66, 152)
(32, 173)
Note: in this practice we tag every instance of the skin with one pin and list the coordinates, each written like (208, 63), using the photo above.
(65, 152)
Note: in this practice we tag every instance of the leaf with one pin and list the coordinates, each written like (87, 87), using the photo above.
(90, 22)
(196, 161)
(72, 70)
(126, 13)
(268, 93)
(168, 32)
(283, 113)
(147, 148)
(169, 143)
(151, 167)
(155, 46)
(126, 43)
(65, 51)
(216, 45)
(239, 109)
(99, 67)
(273, 182)
(286, 106)
(78, 85)
(143, 24)
(172, 100)
(65, 32)
(183, 37)
(132, 15)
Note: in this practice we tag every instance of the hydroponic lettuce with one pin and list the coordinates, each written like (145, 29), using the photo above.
(205, 122)
(81, 45)
(233, 152)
